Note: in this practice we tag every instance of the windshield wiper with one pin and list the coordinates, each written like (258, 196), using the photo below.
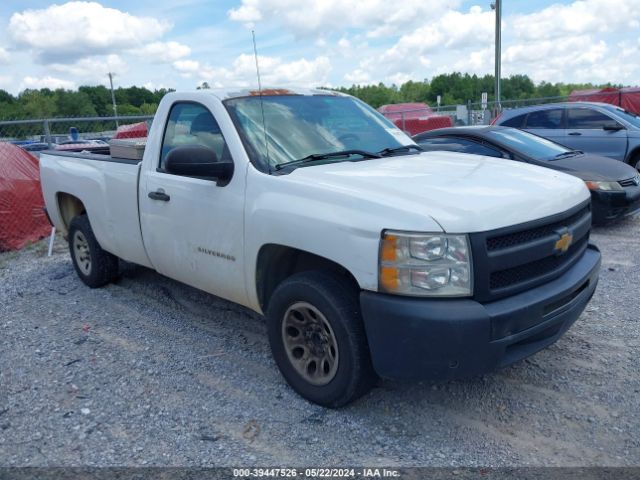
(385, 152)
(570, 153)
(323, 156)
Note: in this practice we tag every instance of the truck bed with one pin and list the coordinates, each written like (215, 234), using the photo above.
(102, 157)
(108, 189)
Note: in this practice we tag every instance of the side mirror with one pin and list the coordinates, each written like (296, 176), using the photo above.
(200, 162)
(612, 126)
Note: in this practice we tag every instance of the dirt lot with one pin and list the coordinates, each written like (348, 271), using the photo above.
(151, 372)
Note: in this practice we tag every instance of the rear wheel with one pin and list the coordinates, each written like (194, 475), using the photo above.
(95, 266)
(318, 340)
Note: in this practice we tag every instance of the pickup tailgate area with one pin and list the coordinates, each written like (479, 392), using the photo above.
(107, 188)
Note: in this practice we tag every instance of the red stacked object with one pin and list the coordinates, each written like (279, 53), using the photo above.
(135, 130)
(415, 118)
(627, 98)
(22, 217)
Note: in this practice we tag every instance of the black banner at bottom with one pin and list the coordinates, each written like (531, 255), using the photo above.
(403, 473)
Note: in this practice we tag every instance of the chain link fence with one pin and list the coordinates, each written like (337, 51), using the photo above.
(22, 217)
(42, 134)
(471, 113)
(478, 113)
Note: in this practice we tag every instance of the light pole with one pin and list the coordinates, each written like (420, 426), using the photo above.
(113, 98)
(497, 6)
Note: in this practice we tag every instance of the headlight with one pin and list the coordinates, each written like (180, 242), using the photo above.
(604, 186)
(422, 264)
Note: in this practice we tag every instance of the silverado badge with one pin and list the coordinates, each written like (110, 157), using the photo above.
(563, 244)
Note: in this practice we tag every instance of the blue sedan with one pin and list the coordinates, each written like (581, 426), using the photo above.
(598, 128)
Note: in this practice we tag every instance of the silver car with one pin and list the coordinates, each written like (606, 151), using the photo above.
(598, 128)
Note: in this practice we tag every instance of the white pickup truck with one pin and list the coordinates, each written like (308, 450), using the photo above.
(367, 256)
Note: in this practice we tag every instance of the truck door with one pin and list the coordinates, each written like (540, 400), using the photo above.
(193, 228)
(586, 131)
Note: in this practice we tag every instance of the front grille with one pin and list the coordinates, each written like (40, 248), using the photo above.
(538, 268)
(513, 259)
(531, 234)
(630, 182)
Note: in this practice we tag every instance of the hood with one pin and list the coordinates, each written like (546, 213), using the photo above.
(462, 193)
(594, 167)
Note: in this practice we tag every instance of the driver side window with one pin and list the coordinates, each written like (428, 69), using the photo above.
(193, 124)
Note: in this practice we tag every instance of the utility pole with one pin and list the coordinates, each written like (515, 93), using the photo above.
(497, 6)
(113, 98)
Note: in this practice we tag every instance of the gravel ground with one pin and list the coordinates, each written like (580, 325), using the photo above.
(151, 372)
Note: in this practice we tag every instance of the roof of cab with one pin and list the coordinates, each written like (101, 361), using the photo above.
(239, 92)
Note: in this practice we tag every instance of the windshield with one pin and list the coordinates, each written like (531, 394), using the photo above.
(297, 126)
(531, 145)
(630, 117)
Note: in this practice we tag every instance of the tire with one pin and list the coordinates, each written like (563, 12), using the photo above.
(326, 309)
(94, 266)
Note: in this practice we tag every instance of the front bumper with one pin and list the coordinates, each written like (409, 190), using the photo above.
(607, 206)
(453, 338)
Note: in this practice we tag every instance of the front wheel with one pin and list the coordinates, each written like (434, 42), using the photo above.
(318, 340)
(95, 266)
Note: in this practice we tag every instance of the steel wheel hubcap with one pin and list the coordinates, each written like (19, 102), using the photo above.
(81, 252)
(310, 343)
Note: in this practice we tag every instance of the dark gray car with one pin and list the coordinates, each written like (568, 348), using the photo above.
(592, 127)
(614, 186)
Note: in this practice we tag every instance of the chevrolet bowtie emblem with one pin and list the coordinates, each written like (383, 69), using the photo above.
(563, 244)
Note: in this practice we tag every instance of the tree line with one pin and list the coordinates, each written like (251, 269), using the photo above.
(458, 88)
(87, 101)
(453, 88)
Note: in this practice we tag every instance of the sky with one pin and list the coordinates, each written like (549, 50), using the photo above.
(182, 43)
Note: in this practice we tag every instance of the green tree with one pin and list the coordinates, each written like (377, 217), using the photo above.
(148, 108)
(37, 103)
(100, 97)
(74, 104)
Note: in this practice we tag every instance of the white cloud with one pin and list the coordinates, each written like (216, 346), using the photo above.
(246, 13)
(46, 82)
(64, 33)
(344, 43)
(453, 35)
(6, 82)
(187, 67)
(358, 76)
(163, 52)
(454, 31)
(477, 61)
(4, 55)
(95, 68)
(273, 71)
(579, 59)
(311, 17)
(154, 86)
(577, 18)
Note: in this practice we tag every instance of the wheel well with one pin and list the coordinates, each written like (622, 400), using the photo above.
(70, 206)
(277, 262)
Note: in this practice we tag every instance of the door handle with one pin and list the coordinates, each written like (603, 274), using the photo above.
(575, 133)
(159, 195)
